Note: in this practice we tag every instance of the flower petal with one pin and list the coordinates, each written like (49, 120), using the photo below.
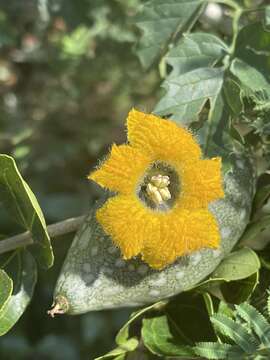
(123, 218)
(201, 183)
(161, 139)
(178, 234)
(123, 169)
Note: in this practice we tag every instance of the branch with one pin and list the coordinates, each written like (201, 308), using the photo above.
(54, 230)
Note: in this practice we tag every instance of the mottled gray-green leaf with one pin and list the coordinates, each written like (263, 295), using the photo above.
(186, 94)
(20, 201)
(23, 271)
(6, 286)
(94, 275)
(160, 21)
(195, 51)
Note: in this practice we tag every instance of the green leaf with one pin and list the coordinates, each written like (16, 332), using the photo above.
(235, 278)
(233, 97)
(129, 345)
(255, 228)
(175, 328)
(267, 16)
(249, 76)
(235, 292)
(261, 197)
(23, 271)
(256, 322)
(236, 332)
(253, 37)
(160, 337)
(6, 286)
(161, 21)
(123, 333)
(217, 350)
(197, 50)
(187, 94)
(19, 200)
(237, 265)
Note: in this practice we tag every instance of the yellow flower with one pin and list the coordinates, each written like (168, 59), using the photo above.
(163, 190)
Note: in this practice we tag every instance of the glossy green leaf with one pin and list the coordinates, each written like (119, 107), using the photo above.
(20, 201)
(161, 21)
(186, 94)
(6, 286)
(23, 271)
(195, 51)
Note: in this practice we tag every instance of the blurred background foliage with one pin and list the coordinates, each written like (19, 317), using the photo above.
(68, 77)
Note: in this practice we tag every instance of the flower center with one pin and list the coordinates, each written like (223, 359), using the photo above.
(157, 189)
(160, 186)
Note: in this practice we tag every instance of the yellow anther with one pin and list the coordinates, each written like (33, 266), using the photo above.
(154, 194)
(157, 189)
(165, 194)
(160, 181)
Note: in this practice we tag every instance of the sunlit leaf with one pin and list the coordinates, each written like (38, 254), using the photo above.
(195, 51)
(160, 22)
(186, 94)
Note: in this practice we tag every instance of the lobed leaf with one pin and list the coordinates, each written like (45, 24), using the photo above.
(215, 350)
(160, 22)
(196, 50)
(187, 94)
(256, 322)
(20, 201)
(236, 332)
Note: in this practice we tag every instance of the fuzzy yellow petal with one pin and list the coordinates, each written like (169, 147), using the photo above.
(122, 170)
(160, 236)
(161, 139)
(201, 183)
(123, 218)
(180, 234)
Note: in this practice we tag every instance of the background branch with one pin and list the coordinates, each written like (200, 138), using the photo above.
(54, 230)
